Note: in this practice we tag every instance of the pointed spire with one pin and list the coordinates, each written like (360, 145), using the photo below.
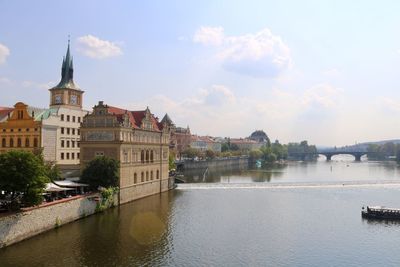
(67, 71)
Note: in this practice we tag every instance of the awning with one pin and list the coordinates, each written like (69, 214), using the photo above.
(68, 183)
(50, 187)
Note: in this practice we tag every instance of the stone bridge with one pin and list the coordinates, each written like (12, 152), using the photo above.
(328, 154)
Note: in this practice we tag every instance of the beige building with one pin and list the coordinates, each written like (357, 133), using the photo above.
(137, 140)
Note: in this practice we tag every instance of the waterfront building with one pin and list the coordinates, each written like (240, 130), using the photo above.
(19, 130)
(56, 128)
(246, 144)
(203, 143)
(183, 139)
(137, 140)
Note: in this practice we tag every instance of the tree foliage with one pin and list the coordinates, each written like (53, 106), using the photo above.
(210, 154)
(101, 171)
(191, 153)
(171, 160)
(23, 177)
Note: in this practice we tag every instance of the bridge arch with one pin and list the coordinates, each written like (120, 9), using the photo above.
(356, 155)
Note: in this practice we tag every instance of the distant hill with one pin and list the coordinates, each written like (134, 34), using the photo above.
(360, 146)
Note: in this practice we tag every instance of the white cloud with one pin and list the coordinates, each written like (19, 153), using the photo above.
(94, 47)
(209, 35)
(261, 54)
(5, 81)
(323, 95)
(218, 111)
(390, 104)
(4, 53)
(334, 73)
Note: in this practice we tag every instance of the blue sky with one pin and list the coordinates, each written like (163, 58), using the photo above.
(325, 71)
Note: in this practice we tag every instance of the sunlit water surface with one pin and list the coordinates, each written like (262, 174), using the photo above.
(304, 214)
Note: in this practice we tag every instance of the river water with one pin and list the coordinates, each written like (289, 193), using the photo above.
(302, 214)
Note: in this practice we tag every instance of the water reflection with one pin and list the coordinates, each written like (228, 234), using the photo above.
(342, 168)
(290, 226)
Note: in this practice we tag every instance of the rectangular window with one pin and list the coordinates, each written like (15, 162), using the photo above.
(62, 130)
(68, 143)
(67, 155)
(99, 153)
(62, 155)
(73, 118)
(79, 119)
(62, 143)
(73, 155)
(62, 117)
(73, 131)
(77, 155)
(67, 130)
(67, 117)
(79, 132)
(72, 143)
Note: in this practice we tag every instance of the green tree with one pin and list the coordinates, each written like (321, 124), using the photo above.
(52, 171)
(255, 154)
(171, 160)
(210, 154)
(101, 171)
(224, 147)
(23, 178)
(234, 147)
(190, 152)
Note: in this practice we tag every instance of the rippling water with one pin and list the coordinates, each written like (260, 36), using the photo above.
(293, 218)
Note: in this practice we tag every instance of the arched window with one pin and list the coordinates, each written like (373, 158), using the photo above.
(151, 175)
(3, 142)
(19, 142)
(135, 178)
(158, 174)
(11, 142)
(35, 142)
(142, 177)
(147, 156)
(152, 156)
(27, 142)
(142, 156)
(147, 175)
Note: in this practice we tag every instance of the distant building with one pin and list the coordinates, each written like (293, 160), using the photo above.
(203, 143)
(183, 139)
(260, 136)
(245, 143)
(137, 140)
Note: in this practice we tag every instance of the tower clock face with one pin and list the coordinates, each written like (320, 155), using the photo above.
(73, 100)
(58, 99)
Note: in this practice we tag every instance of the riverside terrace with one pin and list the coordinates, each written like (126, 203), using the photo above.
(56, 191)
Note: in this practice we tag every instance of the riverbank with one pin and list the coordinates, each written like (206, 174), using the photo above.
(231, 162)
(15, 227)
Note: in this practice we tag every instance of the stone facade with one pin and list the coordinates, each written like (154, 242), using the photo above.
(137, 140)
(25, 224)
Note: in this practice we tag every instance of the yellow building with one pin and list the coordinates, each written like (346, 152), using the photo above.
(19, 129)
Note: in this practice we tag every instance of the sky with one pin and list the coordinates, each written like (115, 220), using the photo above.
(322, 71)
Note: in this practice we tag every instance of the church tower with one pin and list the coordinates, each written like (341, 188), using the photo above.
(66, 93)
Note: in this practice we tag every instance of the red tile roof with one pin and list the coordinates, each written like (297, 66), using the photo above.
(135, 117)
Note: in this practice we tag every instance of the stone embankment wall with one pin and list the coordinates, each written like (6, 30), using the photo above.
(237, 162)
(19, 226)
